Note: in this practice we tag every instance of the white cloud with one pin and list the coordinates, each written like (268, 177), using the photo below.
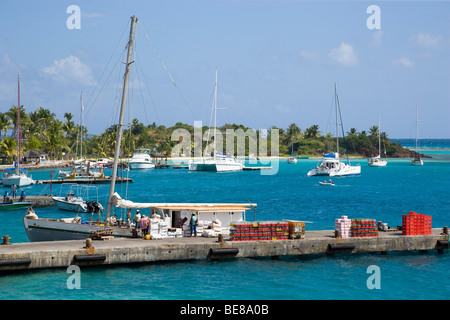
(70, 68)
(427, 41)
(345, 55)
(403, 61)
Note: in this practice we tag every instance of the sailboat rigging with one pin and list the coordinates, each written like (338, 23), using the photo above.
(17, 176)
(417, 161)
(218, 162)
(331, 165)
(377, 161)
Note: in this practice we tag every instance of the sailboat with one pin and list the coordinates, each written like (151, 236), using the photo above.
(292, 159)
(377, 161)
(41, 229)
(417, 161)
(218, 162)
(17, 176)
(330, 165)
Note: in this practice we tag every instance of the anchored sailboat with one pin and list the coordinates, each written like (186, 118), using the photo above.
(330, 165)
(17, 176)
(218, 162)
(417, 161)
(377, 161)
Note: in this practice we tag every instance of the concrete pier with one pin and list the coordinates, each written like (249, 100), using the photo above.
(85, 180)
(61, 254)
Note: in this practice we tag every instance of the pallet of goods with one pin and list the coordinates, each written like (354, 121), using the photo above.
(343, 224)
(416, 224)
(259, 230)
(364, 228)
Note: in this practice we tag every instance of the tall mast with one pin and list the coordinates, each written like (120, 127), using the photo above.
(81, 126)
(417, 122)
(18, 134)
(121, 116)
(336, 107)
(379, 135)
(215, 115)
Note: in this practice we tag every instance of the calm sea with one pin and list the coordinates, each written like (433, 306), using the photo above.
(384, 194)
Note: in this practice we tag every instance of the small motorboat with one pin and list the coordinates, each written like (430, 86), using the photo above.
(325, 183)
(73, 202)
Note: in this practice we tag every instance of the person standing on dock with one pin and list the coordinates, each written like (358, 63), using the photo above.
(144, 225)
(193, 224)
(13, 191)
(22, 196)
(137, 219)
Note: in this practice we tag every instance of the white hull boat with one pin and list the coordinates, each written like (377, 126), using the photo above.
(20, 180)
(141, 160)
(377, 162)
(225, 164)
(292, 160)
(330, 165)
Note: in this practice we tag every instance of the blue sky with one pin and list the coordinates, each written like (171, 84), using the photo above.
(277, 62)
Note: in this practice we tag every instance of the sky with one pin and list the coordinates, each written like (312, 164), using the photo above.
(277, 62)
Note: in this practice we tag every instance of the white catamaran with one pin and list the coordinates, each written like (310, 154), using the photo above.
(330, 165)
(218, 162)
(40, 229)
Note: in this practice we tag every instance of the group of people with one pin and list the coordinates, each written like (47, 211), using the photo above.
(6, 197)
(142, 222)
(192, 223)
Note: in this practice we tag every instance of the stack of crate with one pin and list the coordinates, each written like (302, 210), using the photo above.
(416, 224)
(259, 230)
(343, 224)
(364, 228)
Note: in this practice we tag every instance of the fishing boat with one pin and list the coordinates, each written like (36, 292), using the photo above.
(417, 160)
(17, 175)
(218, 162)
(330, 164)
(141, 159)
(377, 161)
(74, 202)
(42, 229)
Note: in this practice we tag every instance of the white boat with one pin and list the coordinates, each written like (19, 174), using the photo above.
(141, 160)
(218, 162)
(330, 164)
(17, 175)
(42, 229)
(292, 160)
(377, 161)
(81, 171)
(417, 161)
(74, 202)
(324, 183)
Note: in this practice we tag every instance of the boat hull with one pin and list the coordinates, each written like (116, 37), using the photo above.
(57, 230)
(141, 165)
(341, 169)
(222, 165)
(15, 205)
(18, 180)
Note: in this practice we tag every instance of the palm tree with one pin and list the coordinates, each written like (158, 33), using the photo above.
(13, 114)
(5, 123)
(373, 130)
(8, 147)
(352, 132)
(312, 132)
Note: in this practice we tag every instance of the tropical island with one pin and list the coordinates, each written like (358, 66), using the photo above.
(60, 139)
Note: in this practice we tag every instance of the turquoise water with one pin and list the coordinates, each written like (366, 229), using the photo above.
(380, 193)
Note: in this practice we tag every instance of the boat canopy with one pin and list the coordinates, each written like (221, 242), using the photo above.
(117, 201)
(14, 169)
(333, 155)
